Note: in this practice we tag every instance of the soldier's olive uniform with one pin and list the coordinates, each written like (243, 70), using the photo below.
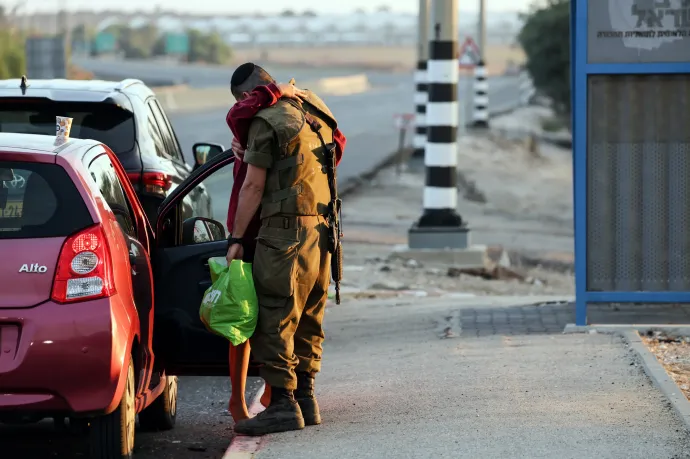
(292, 261)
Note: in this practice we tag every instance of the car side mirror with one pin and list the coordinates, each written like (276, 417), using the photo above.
(203, 152)
(197, 230)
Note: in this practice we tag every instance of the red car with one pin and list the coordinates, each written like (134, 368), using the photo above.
(97, 308)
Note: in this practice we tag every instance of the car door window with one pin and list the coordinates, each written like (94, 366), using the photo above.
(170, 146)
(208, 199)
(103, 173)
(167, 130)
(156, 136)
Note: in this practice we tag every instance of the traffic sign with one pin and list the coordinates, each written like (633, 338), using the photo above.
(468, 56)
(105, 43)
(177, 44)
(403, 120)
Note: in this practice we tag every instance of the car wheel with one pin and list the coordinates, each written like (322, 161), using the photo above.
(162, 413)
(112, 435)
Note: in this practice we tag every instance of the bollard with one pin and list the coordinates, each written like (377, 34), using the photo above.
(480, 116)
(420, 77)
(440, 225)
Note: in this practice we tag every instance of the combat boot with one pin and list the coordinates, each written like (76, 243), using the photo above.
(306, 399)
(281, 415)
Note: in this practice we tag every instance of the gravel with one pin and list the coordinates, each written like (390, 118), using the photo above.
(674, 356)
(526, 209)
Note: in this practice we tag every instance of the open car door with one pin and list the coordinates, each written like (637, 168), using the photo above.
(182, 275)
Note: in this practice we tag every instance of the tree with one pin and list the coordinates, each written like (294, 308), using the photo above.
(288, 13)
(209, 48)
(545, 38)
(12, 61)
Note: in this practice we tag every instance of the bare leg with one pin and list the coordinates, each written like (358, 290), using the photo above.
(239, 364)
(266, 397)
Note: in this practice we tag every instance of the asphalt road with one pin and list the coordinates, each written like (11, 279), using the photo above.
(406, 378)
(203, 431)
(367, 120)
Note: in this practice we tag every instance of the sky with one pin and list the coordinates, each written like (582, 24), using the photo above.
(262, 6)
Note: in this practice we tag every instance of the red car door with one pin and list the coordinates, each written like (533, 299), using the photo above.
(139, 240)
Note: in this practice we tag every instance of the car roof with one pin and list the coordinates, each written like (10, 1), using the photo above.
(61, 90)
(36, 143)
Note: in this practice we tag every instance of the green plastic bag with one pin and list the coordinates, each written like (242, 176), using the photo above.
(230, 308)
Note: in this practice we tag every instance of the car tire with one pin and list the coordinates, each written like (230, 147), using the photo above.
(112, 435)
(161, 414)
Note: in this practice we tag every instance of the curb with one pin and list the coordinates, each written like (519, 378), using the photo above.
(658, 375)
(671, 330)
(243, 446)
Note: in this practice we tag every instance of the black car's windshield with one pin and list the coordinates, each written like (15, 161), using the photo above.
(106, 123)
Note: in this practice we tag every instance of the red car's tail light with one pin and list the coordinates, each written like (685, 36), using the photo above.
(151, 182)
(84, 270)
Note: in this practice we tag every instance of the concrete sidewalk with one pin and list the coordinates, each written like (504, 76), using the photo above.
(401, 380)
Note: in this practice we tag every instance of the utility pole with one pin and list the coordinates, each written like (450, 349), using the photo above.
(480, 118)
(440, 226)
(66, 25)
(420, 95)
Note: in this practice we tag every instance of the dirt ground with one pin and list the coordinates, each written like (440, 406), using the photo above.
(401, 58)
(510, 198)
(674, 355)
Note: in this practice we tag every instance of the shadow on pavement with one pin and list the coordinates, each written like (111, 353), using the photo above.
(203, 429)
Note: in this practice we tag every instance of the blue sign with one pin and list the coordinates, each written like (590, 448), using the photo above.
(105, 43)
(630, 64)
(177, 44)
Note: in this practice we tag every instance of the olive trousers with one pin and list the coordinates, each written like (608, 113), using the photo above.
(291, 275)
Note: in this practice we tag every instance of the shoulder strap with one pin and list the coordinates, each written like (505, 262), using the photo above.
(334, 206)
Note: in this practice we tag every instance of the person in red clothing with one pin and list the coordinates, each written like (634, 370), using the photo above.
(239, 119)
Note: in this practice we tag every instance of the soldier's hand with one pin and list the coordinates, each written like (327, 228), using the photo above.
(291, 91)
(235, 252)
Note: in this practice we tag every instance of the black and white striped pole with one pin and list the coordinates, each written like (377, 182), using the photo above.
(440, 225)
(420, 79)
(480, 103)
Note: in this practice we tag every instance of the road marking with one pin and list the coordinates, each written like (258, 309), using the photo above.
(244, 446)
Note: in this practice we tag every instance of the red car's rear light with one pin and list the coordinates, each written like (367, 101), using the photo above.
(84, 270)
(151, 182)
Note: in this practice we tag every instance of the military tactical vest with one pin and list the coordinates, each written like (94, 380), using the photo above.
(297, 183)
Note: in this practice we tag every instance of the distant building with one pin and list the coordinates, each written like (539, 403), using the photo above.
(378, 28)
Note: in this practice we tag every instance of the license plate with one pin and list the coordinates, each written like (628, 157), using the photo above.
(11, 210)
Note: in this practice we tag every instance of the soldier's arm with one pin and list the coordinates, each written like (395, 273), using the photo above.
(259, 157)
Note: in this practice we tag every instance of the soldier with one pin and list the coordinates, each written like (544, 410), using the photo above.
(290, 172)
(239, 120)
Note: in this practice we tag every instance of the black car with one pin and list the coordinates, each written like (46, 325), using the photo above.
(123, 115)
